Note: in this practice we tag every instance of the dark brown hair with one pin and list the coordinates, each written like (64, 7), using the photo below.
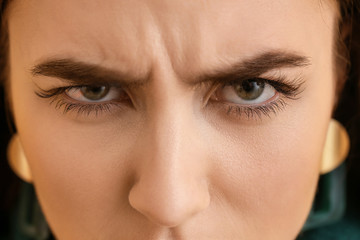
(3, 41)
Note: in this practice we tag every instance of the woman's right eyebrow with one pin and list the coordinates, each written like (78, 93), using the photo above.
(81, 73)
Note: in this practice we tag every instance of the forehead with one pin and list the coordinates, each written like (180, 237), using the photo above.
(191, 35)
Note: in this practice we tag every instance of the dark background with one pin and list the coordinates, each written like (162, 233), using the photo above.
(9, 183)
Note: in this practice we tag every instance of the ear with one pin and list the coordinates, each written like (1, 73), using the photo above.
(17, 159)
(336, 147)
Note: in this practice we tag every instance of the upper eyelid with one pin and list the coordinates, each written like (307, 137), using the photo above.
(281, 83)
(249, 111)
(60, 93)
(290, 87)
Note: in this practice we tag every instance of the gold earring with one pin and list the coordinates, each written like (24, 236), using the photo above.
(17, 159)
(336, 147)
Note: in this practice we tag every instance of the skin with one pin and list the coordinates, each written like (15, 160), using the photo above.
(174, 164)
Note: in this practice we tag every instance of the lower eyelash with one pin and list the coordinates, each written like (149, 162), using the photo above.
(257, 111)
(82, 108)
(287, 90)
(57, 97)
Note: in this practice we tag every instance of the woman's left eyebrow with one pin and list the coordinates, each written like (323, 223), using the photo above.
(255, 66)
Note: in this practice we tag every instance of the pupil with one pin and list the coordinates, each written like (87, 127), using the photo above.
(94, 92)
(250, 89)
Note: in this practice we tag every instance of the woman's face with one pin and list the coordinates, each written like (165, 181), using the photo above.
(173, 119)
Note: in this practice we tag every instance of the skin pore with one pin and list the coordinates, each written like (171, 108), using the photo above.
(137, 123)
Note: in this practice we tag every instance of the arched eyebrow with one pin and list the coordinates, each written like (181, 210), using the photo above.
(82, 73)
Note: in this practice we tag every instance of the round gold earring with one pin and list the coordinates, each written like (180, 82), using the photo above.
(17, 159)
(336, 147)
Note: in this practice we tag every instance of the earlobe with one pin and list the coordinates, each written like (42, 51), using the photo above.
(17, 159)
(336, 147)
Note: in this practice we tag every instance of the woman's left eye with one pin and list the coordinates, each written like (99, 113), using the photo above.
(246, 92)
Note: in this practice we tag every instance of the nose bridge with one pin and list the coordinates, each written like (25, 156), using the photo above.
(171, 183)
(168, 129)
(165, 150)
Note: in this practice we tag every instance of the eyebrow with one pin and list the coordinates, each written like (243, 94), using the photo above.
(254, 67)
(81, 73)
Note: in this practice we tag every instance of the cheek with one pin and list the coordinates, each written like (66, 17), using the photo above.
(268, 172)
(80, 177)
(75, 174)
(77, 167)
(271, 181)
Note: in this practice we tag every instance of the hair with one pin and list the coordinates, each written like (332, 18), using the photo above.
(347, 50)
(3, 41)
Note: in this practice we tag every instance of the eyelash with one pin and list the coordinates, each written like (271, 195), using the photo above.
(257, 111)
(58, 96)
(285, 89)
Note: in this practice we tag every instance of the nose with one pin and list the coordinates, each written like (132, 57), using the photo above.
(171, 185)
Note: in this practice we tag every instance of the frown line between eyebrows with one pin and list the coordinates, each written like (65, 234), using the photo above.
(82, 73)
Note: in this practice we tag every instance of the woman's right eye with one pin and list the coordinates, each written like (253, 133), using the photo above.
(87, 99)
(95, 94)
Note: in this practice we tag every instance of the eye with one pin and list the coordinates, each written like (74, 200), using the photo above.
(87, 99)
(94, 93)
(246, 92)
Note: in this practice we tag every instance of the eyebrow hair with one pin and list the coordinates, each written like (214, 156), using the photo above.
(82, 73)
(256, 66)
